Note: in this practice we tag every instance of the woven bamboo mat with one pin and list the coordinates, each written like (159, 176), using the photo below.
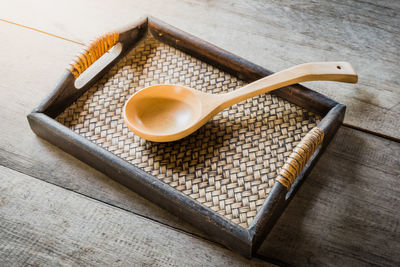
(229, 165)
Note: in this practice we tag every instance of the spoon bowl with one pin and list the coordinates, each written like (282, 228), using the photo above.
(160, 111)
(169, 112)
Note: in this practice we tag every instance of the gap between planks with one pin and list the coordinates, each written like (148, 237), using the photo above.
(40, 31)
(50, 218)
(201, 237)
(385, 127)
(382, 135)
(392, 138)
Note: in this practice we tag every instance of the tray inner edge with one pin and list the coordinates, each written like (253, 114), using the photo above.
(229, 165)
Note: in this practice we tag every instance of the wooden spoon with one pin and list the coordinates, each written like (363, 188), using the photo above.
(168, 112)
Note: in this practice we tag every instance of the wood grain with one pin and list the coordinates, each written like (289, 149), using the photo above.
(356, 179)
(45, 225)
(357, 194)
(19, 146)
(347, 212)
(284, 33)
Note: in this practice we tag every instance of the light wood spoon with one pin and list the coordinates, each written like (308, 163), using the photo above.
(168, 112)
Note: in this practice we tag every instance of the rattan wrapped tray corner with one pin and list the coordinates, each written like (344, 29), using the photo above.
(228, 178)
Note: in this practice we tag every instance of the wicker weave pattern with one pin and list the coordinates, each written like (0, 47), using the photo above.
(296, 161)
(229, 165)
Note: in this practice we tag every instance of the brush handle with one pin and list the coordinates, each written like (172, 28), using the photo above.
(316, 71)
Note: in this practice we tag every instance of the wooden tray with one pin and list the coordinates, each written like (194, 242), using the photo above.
(232, 178)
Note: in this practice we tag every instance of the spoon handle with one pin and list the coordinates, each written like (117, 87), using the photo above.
(316, 71)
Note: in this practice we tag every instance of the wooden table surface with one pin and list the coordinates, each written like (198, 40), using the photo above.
(55, 210)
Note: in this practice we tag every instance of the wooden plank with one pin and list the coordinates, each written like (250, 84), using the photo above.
(365, 162)
(45, 225)
(285, 33)
(21, 150)
(32, 63)
(347, 212)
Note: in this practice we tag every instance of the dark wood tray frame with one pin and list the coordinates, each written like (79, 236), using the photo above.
(245, 241)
